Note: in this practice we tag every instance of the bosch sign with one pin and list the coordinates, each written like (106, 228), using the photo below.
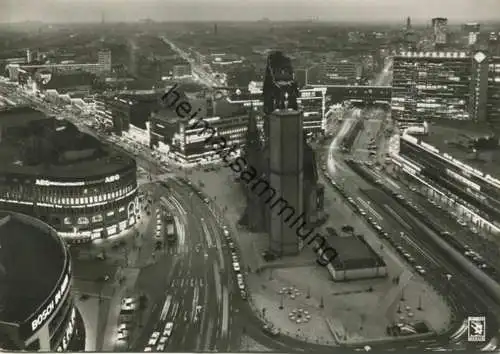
(50, 307)
(40, 317)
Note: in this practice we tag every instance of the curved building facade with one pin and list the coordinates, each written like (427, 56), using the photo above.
(70, 180)
(37, 312)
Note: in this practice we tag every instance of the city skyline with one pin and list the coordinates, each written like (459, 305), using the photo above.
(222, 10)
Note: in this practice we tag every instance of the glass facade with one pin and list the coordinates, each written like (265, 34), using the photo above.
(493, 92)
(431, 86)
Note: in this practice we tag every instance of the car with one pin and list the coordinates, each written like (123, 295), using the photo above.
(362, 212)
(235, 258)
(474, 230)
(122, 327)
(385, 235)
(270, 330)
(160, 347)
(168, 329)
(123, 335)
(154, 338)
(163, 340)
(420, 270)
(243, 294)
(148, 349)
(461, 222)
(236, 266)
(231, 245)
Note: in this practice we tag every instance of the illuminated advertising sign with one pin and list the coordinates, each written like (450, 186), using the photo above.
(48, 183)
(41, 316)
(68, 333)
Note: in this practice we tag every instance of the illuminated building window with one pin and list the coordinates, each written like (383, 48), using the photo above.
(85, 200)
(83, 220)
(97, 218)
(67, 221)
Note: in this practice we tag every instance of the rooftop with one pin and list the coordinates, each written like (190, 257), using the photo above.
(70, 80)
(31, 263)
(38, 145)
(353, 253)
(454, 139)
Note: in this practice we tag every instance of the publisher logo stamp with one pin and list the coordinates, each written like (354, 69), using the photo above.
(476, 329)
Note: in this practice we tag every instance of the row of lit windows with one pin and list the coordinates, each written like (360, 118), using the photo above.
(54, 199)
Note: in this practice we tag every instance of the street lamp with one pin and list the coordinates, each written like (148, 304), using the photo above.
(281, 302)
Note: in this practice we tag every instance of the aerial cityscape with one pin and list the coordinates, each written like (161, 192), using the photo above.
(221, 177)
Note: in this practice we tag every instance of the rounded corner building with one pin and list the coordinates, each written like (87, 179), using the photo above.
(82, 187)
(37, 311)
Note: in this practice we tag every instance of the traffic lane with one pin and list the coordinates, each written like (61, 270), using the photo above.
(244, 313)
(217, 254)
(394, 224)
(207, 256)
(467, 289)
(153, 281)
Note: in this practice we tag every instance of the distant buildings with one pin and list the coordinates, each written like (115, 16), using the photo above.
(445, 85)
(472, 32)
(102, 66)
(339, 72)
(440, 31)
(104, 59)
(311, 100)
(181, 71)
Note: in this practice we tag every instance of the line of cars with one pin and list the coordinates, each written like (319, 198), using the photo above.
(128, 308)
(466, 250)
(235, 262)
(158, 340)
(391, 239)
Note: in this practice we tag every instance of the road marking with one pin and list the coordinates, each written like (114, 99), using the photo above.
(225, 313)
(368, 207)
(218, 284)
(208, 237)
(425, 254)
(195, 302)
(166, 307)
(397, 217)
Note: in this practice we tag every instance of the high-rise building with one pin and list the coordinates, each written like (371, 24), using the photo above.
(472, 31)
(429, 86)
(492, 111)
(440, 30)
(339, 72)
(446, 85)
(494, 43)
(104, 59)
(286, 176)
(408, 23)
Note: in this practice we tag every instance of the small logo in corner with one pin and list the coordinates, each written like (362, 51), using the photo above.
(476, 329)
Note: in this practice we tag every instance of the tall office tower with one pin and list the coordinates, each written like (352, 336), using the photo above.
(494, 43)
(339, 72)
(472, 31)
(408, 23)
(429, 86)
(492, 111)
(286, 176)
(440, 29)
(29, 56)
(104, 59)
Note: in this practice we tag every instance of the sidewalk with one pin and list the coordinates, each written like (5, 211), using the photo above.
(356, 315)
(101, 317)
